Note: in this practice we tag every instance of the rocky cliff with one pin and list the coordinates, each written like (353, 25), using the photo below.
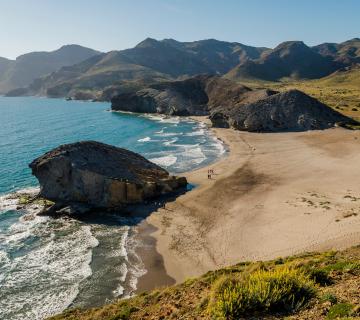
(231, 104)
(286, 111)
(100, 176)
(193, 96)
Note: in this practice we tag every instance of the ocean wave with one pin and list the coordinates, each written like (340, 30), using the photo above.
(146, 139)
(137, 268)
(161, 131)
(44, 273)
(10, 201)
(170, 142)
(198, 132)
(162, 118)
(169, 134)
(195, 155)
(123, 270)
(219, 145)
(165, 161)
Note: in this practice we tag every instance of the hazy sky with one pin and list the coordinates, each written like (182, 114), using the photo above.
(34, 25)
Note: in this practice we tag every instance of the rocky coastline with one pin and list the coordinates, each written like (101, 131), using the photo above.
(232, 105)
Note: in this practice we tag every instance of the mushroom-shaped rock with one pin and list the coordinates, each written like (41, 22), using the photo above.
(100, 176)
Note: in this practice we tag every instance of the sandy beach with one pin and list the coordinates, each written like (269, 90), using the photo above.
(274, 194)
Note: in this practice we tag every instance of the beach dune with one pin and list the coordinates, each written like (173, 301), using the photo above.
(274, 194)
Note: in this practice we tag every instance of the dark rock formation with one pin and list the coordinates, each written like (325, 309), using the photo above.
(193, 96)
(230, 104)
(100, 176)
(287, 111)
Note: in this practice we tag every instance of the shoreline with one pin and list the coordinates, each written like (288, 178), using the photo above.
(257, 206)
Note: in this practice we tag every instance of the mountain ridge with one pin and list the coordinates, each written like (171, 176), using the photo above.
(154, 60)
(290, 59)
(26, 68)
(150, 61)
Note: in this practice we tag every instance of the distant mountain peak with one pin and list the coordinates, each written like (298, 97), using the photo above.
(71, 46)
(148, 42)
(30, 66)
(291, 45)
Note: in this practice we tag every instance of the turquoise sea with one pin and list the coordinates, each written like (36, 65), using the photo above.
(47, 265)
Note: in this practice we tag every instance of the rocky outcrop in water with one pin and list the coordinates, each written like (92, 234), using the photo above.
(98, 175)
(286, 111)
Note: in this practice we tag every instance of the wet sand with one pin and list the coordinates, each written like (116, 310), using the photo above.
(275, 194)
(155, 276)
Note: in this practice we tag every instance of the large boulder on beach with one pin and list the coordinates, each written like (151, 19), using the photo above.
(100, 176)
(292, 110)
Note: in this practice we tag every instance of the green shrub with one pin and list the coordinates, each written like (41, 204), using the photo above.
(281, 290)
(342, 266)
(340, 310)
(123, 314)
(319, 276)
(329, 297)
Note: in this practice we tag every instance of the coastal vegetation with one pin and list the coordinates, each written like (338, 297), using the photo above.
(307, 286)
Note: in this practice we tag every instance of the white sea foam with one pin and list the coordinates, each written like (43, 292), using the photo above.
(165, 161)
(162, 118)
(198, 132)
(219, 145)
(169, 134)
(137, 267)
(161, 131)
(195, 155)
(146, 139)
(170, 142)
(43, 278)
(10, 201)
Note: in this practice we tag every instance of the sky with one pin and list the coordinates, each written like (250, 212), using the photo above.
(45, 25)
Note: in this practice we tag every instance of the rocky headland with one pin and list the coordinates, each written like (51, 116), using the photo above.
(192, 96)
(91, 175)
(292, 110)
(230, 104)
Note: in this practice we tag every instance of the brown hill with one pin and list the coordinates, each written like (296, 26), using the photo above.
(347, 52)
(286, 111)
